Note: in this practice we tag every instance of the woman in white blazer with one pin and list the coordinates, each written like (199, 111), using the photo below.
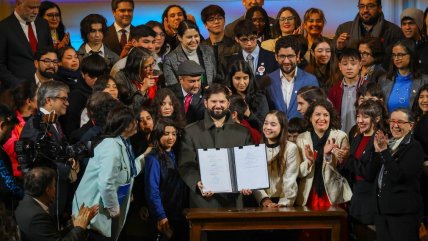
(322, 147)
(108, 178)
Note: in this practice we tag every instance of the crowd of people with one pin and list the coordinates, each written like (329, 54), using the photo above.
(101, 142)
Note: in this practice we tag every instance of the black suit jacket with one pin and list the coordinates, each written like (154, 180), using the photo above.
(196, 109)
(266, 64)
(112, 41)
(16, 56)
(37, 225)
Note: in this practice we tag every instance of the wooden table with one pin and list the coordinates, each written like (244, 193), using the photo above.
(216, 219)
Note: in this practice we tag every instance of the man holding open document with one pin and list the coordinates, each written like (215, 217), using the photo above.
(216, 130)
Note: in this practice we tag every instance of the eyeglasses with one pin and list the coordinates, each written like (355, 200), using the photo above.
(398, 55)
(53, 15)
(289, 57)
(246, 40)
(214, 19)
(368, 6)
(49, 61)
(63, 98)
(286, 19)
(365, 54)
(398, 122)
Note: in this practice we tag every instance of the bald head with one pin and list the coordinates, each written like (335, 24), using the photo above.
(27, 9)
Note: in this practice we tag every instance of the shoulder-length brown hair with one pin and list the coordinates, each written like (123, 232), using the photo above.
(334, 117)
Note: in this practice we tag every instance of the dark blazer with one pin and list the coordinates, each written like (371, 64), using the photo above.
(196, 109)
(37, 225)
(274, 91)
(16, 56)
(363, 205)
(266, 64)
(112, 41)
(400, 191)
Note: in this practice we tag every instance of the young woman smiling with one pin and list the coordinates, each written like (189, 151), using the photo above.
(190, 49)
(362, 170)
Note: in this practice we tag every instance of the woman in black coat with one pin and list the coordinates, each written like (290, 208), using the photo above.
(398, 195)
(362, 170)
(241, 82)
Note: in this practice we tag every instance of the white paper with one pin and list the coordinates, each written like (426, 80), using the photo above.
(251, 167)
(215, 170)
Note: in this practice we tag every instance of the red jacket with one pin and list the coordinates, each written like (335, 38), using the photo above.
(336, 92)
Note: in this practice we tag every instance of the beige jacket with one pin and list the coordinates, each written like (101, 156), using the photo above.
(336, 186)
(282, 185)
(269, 44)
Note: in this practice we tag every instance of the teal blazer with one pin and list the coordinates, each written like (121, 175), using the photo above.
(106, 171)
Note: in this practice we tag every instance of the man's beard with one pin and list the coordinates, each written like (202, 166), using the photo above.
(371, 21)
(46, 74)
(218, 116)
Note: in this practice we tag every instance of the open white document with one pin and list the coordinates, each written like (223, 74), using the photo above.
(233, 169)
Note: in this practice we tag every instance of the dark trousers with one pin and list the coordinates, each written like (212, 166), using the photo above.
(397, 227)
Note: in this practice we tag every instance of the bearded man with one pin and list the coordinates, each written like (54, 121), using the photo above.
(46, 64)
(216, 130)
(369, 21)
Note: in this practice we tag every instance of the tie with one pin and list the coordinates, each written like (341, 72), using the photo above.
(123, 39)
(95, 52)
(250, 61)
(32, 38)
(187, 101)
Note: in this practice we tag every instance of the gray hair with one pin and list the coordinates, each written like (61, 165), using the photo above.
(50, 89)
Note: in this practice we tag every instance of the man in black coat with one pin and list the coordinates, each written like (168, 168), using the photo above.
(22, 33)
(33, 217)
(189, 90)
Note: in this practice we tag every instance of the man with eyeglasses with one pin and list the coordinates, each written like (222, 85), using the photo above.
(286, 81)
(22, 33)
(411, 25)
(369, 21)
(46, 63)
(213, 17)
(261, 61)
(119, 33)
(52, 101)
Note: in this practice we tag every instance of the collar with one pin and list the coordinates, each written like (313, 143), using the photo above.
(209, 123)
(20, 20)
(349, 85)
(184, 92)
(272, 145)
(44, 207)
(118, 28)
(38, 83)
(88, 49)
(255, 52)
(44, 111)
(282, 76)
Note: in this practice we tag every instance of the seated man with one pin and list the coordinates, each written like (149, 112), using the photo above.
(32, 214)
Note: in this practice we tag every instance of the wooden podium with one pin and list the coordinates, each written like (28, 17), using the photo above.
(222, 219)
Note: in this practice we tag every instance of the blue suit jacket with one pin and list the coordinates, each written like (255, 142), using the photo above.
(274, 91)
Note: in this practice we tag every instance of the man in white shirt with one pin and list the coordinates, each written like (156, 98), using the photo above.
(17, 49)
(288, 79)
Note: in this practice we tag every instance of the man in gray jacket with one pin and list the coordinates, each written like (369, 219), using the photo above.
(216, 130)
